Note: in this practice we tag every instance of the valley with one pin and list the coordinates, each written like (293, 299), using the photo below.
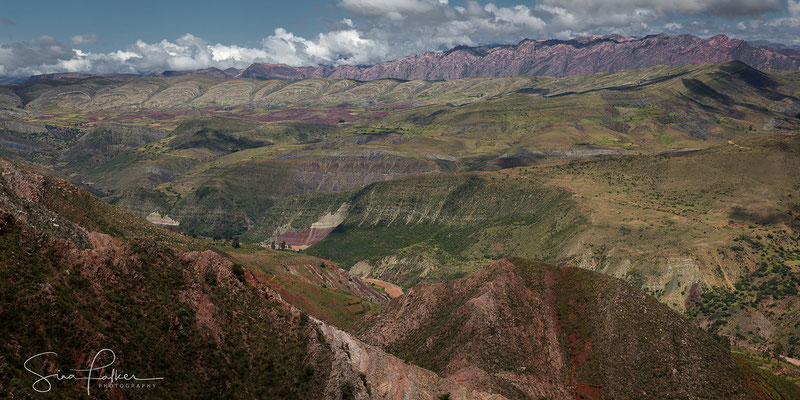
(214, 301)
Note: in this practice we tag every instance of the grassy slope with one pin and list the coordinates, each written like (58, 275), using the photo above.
(450, 222)
(722, 221)
(327, 293)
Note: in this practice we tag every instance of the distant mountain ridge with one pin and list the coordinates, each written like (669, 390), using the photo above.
(582, 55)
(552, 57)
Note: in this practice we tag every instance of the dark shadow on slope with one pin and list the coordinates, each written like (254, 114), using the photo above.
(701, 89)
(626, 87)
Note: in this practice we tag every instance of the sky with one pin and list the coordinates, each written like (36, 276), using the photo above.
(143, 36)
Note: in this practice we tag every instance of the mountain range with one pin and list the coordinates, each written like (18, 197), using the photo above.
(581, 55)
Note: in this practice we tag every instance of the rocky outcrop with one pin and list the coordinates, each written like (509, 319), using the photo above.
(157, 219)
(318, 230)
(581, 55)
(374, 374)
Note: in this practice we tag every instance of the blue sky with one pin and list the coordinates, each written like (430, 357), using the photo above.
(119, 23)
(145, 36)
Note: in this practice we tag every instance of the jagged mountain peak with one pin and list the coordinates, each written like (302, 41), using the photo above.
(581, 55)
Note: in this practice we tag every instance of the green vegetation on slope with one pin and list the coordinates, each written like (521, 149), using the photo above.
(762, 310)
(454, 222)
(721, 222)
(317, 287)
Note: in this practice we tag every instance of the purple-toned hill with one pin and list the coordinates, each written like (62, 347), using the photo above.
(582, 55)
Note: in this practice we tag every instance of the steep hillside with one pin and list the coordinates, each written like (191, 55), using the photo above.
(316, 286)
(90, 290)
(530, 330)
(370, 186)
(445, 226)
(205, 325)
(209, 326)
(714, 231)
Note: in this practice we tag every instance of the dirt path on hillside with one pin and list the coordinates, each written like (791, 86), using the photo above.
(792, 361)
(391, 289)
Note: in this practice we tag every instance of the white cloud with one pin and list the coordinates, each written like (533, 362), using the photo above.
(78, 40)
(518, 16)
(636, 16)
(332, 48)
(396, 10)
(673, 26)
(44, 50)
(599, 8)
(189, 52)
(119, 55)
(419, 25)
(793, 7)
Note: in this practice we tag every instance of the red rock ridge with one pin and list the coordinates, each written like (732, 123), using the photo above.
(582, 55)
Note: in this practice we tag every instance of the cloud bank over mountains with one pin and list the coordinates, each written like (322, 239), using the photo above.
(379, 30)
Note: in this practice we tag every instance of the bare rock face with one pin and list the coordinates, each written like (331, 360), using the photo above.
(318, 230)
(165, 220)
(582, 55)
(374, 374)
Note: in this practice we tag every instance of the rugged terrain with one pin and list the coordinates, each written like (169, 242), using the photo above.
(679, 180)
(529, 330)
(682, 227)
(79, 275)
(170, 307)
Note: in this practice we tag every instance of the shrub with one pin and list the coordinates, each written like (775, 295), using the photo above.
(238, 272)
(347, 391)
